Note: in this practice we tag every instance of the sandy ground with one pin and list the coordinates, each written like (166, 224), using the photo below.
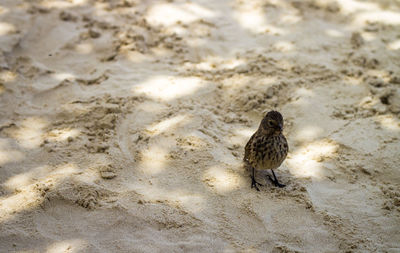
(123, 125)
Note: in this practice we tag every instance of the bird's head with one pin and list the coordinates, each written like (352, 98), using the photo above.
(272, 123)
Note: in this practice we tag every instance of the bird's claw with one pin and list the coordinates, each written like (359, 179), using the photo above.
(276, 183)
(254, 184)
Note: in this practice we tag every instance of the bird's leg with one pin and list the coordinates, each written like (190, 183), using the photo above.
(254, 183)
(275, 180)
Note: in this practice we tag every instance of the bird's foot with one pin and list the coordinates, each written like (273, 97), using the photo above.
(276, 183)
(254, 183)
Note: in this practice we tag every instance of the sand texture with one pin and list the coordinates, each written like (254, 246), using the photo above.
(123, 125)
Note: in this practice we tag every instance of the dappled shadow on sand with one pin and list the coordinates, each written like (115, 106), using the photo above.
(141, 118)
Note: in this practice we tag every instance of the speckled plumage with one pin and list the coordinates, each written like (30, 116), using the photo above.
(267, 147)
(266, 152)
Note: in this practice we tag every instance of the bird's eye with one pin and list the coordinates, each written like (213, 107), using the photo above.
(270, 123)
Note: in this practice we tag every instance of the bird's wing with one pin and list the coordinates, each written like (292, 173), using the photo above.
(247, 148)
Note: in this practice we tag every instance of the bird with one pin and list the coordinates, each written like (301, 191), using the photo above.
(267, 148)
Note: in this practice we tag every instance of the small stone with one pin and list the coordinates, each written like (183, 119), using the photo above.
(242, 69)
(356, 40)
(65, 16)
(94, 34)
(270, 92)
(107, 174)
(379, 107)
(108, 121)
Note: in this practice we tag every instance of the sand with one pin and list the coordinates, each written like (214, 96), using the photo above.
(123, 125)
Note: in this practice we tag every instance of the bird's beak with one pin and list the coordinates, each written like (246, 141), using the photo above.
(280, 127)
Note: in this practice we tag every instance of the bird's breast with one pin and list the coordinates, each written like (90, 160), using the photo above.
(271, 152)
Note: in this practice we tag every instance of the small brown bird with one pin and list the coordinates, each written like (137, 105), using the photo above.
(267, 147)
